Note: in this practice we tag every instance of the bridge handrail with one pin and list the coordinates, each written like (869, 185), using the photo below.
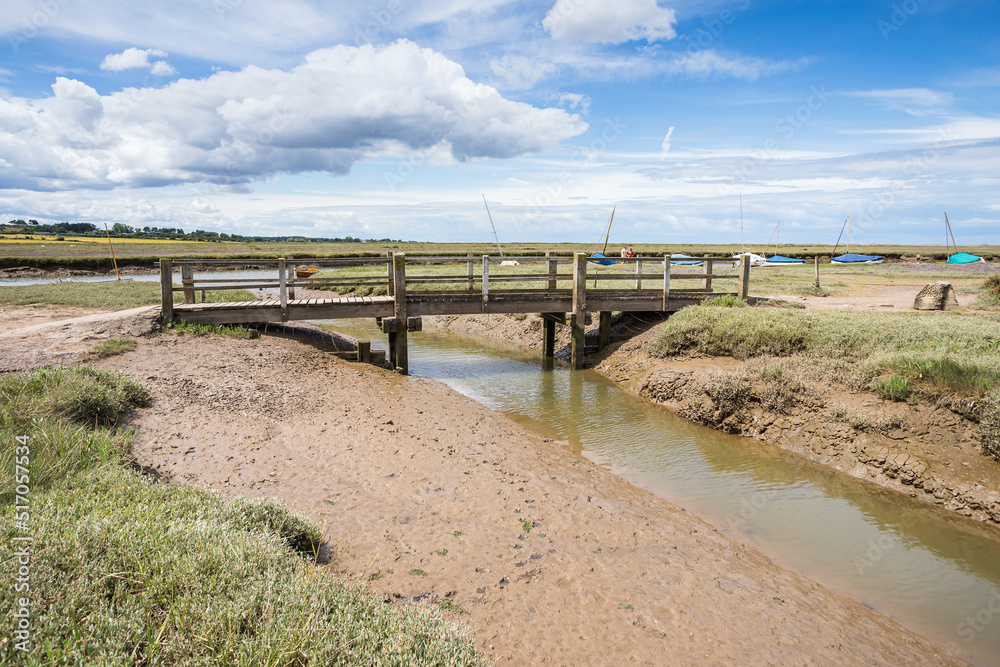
(478, 276)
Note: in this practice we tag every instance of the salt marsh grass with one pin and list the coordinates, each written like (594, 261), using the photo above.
(125, 571)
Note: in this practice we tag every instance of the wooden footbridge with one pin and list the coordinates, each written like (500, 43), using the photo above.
(399, 290)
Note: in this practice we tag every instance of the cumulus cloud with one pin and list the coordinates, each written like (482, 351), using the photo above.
(342, 105)
(610, 21)
(132, 58)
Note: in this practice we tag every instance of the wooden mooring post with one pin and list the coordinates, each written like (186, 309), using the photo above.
(397, 340)
(167, 290)
(744, 289)
(579, 316)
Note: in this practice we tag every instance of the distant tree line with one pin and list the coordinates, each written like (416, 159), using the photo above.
(121, 230)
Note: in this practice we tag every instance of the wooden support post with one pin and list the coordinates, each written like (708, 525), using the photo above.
(666, 281)
(187, 280)
(166, 290)
(816, 259)
(401, 363)
(605, 330)
(291, 280)
(472, 273)
(486, 281)
(638, 274)
(552, 269)
(364, 351)
(203, 296)
(708, 275)
(744, 290)
(282, 290)
(548, 336)
(579, 309)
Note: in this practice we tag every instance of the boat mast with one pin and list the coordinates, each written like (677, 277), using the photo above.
(839, 237)
(742, 248)
(113, 260)
(948, 230)
(493, 226)
(604, 251)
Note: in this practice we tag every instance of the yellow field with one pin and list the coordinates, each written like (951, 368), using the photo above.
(90, 239)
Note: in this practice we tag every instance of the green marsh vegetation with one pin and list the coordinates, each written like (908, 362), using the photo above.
(952, 358)
(109, 348)
(127, 571)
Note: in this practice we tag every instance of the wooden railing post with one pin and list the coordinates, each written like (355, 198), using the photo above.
(187, 280)
(166, 290)
(708, 275)
(399, 296)
(282, 290)
(389, 276)
(291, 280)
(638, 274)
(486, 281)
(744, 290)
(552, 269)
(472, 273)
(666, 281)
(579, 317)
(816, 259)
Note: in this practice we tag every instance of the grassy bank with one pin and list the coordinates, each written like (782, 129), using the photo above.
(949, 357)
(126, 571)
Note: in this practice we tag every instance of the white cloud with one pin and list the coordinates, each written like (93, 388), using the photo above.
(131, 58)
(665, 146)
(518, 72)
(711, 62)
(574, 101)
(342, 105)
(162, 68)
(610, 21)
(912, 101)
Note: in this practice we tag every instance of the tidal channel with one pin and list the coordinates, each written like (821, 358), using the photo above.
(934, 572)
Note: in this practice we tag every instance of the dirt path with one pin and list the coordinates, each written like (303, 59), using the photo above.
(547, 557)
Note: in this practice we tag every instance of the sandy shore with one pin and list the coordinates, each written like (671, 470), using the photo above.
(545, 556)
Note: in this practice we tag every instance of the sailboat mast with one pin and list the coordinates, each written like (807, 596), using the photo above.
(493, 226)
(948, 230)
(742, 248)
(604, 251)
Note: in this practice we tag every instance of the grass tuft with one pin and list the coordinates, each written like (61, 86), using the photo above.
(109, 348)
(897, 388)
(205, 329)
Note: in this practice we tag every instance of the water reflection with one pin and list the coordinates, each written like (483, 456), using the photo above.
(928, 568)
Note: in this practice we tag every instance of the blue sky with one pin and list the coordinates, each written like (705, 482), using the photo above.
(393, 118)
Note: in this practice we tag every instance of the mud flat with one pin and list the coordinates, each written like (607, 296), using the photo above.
(430, 496)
